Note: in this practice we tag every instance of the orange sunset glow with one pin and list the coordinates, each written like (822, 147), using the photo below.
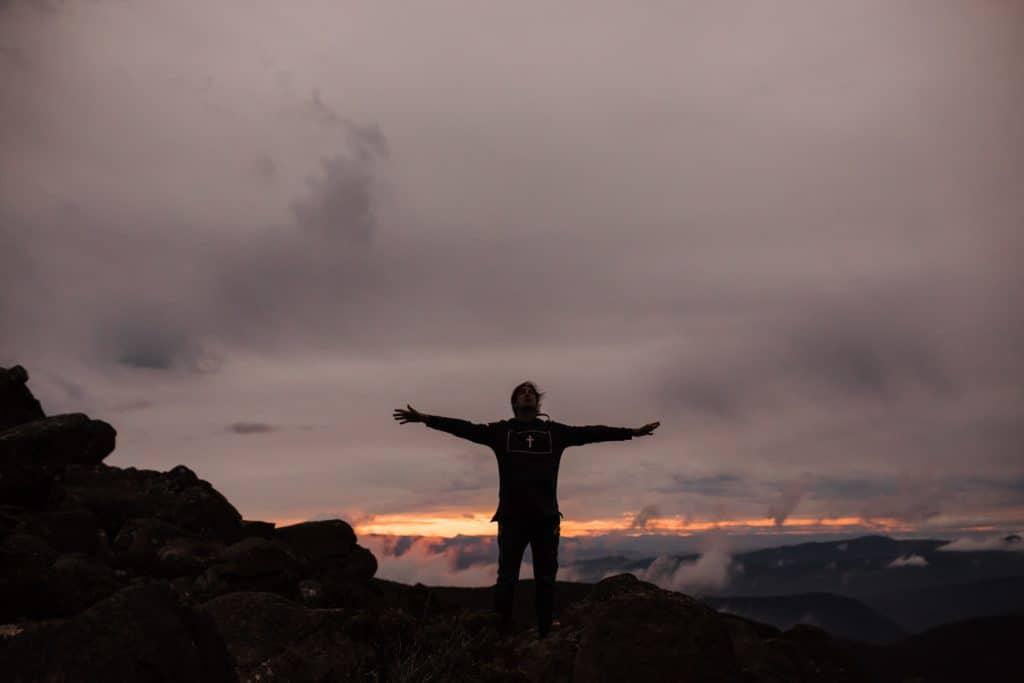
(448, 524)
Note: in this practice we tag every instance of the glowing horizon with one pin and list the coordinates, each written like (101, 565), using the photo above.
(450, 523)
(479, 524)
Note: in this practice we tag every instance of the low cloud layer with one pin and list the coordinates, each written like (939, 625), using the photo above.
(708, 574)
(908, 561)
(1009, 543)
(435, 562)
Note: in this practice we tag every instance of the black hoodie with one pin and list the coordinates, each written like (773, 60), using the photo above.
(528, 453)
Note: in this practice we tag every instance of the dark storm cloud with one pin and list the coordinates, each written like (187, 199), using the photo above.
(149, 338)
(869, 352)
(339, 200)
(470, 484)
(251, 427)
(857, 489)
(795, 250)
(847, 346)
(718, 485)
(704, 397)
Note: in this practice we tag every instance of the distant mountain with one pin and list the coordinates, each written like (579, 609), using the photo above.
(918, 609)
(840, 616)
(983, 649)
(858, 567)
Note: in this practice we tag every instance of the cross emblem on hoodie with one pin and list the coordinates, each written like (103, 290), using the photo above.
(529, 440)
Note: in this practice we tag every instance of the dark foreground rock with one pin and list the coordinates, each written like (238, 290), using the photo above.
(17, 404)
(141, 633)
(32, 454)
(177, 497)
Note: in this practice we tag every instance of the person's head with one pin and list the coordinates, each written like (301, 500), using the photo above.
(526, 399)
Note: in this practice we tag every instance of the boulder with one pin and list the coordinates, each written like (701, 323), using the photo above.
(177, 497)
(141, 633)
(78, 582)
(632, 630)
(69, 529)
(186, 556)
(338, 567)
(254, 528)
(812, 655)
(17, 404)
(73, 437)
(257, 557)
(274, 639)
(139, 539)
(321, 540)
(345, 581)
(26, 578)
(255, 564)
(33, 453)
(38, 582)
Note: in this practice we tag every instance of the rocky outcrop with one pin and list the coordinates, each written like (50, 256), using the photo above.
(17, 404)
(271, 638)
(141, 633)
(177, 497)
(108, 567)
(32, 454)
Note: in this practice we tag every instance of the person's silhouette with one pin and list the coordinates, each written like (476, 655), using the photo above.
(528, 450)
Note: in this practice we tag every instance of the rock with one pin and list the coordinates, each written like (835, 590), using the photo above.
(257, 557)
(327, 539)
(311, 593)
(37, 582)
(252, 528)
(79, 582)
(812, 655)
(141, 633)
(632, 630)
(274, 639)
(254, 564)
(33, 453)
(137, 543)
(759, 658)
(345, 581)
(75, 437)
(69, 529)
(186, 557)
(26, 578)
(340, 567)
(17, 404)
(177, 497)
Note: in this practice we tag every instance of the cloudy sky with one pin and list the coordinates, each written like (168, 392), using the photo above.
(244, 232)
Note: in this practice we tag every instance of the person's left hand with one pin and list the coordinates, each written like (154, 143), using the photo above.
(646, 429)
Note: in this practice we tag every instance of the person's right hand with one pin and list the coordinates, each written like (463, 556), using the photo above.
(410, 415)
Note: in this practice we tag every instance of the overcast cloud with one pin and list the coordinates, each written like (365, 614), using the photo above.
(244, 232)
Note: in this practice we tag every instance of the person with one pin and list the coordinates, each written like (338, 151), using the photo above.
(528, 450)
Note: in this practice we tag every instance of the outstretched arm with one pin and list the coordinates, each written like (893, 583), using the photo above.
(475, 432)
(578, 436)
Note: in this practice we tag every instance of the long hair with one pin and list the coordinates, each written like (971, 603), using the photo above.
(540, 394)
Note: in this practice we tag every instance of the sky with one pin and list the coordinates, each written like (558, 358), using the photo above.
(243, 233)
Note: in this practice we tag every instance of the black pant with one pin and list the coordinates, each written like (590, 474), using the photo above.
(542, 534)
